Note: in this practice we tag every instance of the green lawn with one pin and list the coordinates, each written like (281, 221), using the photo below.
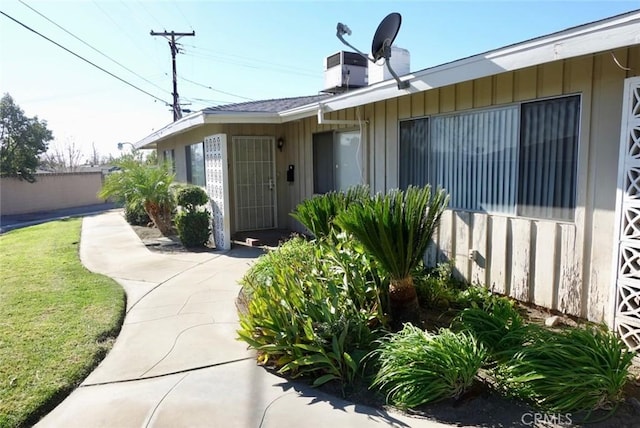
(57, 319)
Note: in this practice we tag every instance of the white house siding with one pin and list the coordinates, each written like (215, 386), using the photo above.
(560, 265)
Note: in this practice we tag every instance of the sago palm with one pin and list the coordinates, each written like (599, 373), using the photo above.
(396, 228)
(147, 185)
(318, 212)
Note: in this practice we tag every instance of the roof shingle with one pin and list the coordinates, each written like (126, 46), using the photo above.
(266, 106)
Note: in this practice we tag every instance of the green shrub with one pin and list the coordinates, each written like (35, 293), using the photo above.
(476, 296)
(303, 317)
(136, 215)
(499, 327)
(573, 370)
(317, 213)
(192, 222)
(193, 228)
(436, 287)
(417, 367)
(191, 197)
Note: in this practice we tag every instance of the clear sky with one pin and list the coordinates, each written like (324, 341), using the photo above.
(242, 50)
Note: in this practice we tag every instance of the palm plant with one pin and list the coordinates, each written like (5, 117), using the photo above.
(147, 185)
(396, 229)
(317, 213)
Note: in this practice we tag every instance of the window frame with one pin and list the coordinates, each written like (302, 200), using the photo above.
(189, 164)
(173, 159)
(518, 104)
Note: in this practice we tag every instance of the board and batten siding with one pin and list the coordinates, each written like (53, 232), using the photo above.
(180, 141)
(563, 266)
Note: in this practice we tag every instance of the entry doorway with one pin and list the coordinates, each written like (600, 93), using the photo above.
(254, 183)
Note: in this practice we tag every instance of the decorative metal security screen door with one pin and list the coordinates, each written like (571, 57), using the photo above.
(254, 182)
(627, 284)
(217, 178)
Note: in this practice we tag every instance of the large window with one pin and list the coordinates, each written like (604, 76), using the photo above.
(519, 160)
(336, 161)
(195, 164)
(170, 159)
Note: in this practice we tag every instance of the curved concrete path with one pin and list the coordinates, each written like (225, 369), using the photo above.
(176, 362)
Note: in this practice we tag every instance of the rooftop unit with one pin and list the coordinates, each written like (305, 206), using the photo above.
(343, 71)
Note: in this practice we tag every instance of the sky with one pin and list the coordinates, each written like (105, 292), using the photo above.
(241, 51)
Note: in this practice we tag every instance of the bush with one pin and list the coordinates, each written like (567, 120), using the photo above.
(193, 223)
(191, 197)
(193, 228)
(499, 327)
(574, 370)
(436, 287)
(417, 367)
(136, 215)
(317, 213)
(303, 317)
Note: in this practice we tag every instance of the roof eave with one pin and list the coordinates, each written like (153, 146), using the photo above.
(170, 130)
(301, 112)
(588, 39)
(202, 118)
(609, 34)
(242, 117)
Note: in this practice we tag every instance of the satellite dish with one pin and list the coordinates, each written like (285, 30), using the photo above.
(382, 41)
(385, 35)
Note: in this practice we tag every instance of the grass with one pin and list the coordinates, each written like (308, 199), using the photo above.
(57, 319)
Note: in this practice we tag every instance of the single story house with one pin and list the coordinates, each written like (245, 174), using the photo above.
(538, 144)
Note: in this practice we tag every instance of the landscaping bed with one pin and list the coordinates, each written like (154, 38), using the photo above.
(316, 310)
(333, 312)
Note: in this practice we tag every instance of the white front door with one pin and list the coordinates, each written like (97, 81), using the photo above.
(254, 182)
(626, 314)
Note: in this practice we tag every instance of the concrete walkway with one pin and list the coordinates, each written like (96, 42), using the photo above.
(176, 362)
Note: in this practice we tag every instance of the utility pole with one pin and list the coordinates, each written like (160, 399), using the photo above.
(177, 111)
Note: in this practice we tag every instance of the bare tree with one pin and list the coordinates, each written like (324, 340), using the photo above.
(95, 159)
(62, 157)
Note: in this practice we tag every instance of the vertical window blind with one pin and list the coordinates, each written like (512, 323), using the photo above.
(476, 158)
(548, 158)
(519, 159)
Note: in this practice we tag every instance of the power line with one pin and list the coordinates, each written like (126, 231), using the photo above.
(215, 90)
(96, 50)
(82, 58)
(146, 10)
(183, 15)
(217, 54)
(126, 32)
(260, 66)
